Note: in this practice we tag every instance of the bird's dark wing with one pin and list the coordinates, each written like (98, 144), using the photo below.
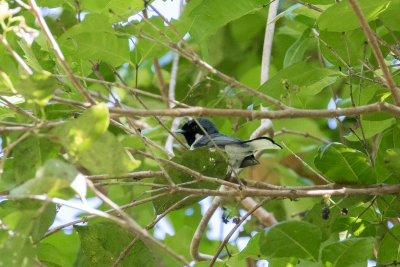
(249, 161)
(221, 140)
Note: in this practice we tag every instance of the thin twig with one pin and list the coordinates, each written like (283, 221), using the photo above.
(377, 52)
(123, 86)
(87, 218)
(133, 226)
(19, 110)
(310, 6)
(132, 175)
(19, 59)
(195, 59)
(225, 241)
(322, 178)
(306, 135)
(162, 85)
(8, 149)
(35, 10)
(196, 174)
(125, 252)
(171, 208)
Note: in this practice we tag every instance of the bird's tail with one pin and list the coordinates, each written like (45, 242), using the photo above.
(261, 143)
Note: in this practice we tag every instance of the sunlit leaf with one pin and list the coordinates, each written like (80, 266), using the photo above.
(287, 239)
(38, 87)
(54, 178)
(341, 17)
(94, 39)
(344, 165)
(350, 252)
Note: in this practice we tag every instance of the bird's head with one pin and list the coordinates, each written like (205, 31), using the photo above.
(191, 129)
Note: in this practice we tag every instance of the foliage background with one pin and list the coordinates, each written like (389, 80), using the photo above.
(88, 99)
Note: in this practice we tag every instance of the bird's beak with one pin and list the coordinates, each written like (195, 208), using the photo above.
(180, 131)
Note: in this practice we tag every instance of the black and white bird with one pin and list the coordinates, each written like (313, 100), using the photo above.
(240, 153)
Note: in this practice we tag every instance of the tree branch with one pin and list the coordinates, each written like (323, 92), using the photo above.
(268, 38)
(377, 52)
(254, 115)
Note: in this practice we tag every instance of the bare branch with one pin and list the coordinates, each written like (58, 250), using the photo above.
(194, 245)
(378, 189)
(254, 115)
(269, 35)
(132, 175)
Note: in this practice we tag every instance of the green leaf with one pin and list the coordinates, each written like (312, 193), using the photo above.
(123, 8)
(28, 159)
(87, 139)
(392, 160)
(389, 249)
(252, 250)
(286, 262)
(389, 206)
(29, 218)
(341, 17)
(296, 51)
(350, 252)
(38, 88)
(288, 239)
(30, 56)
(300, 79)
(54, 249)
(78, 135)
(94, 39)
(208, 163)
(389, 16)
(202, 18)
(344, 165)
(103, 242)
(319, 2)
(107, 155)
(17, 251)
(348, 46)
(55, 178)
(146, 49)
(388, 141)
(371, 128)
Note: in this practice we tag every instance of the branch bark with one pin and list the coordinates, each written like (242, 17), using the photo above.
(253, 114)
(268, 38)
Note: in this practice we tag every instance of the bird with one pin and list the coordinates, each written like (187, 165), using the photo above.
(240, 153)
